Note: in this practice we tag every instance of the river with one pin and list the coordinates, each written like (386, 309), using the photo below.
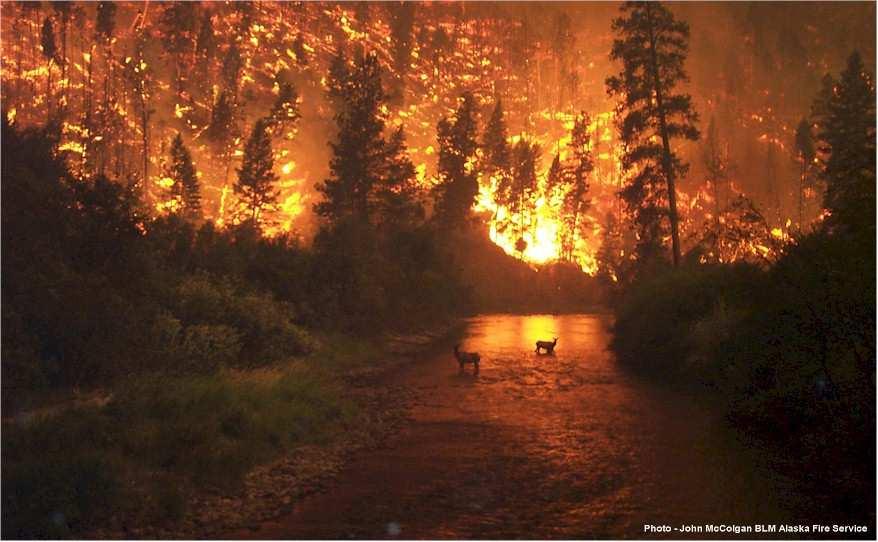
(540, 446)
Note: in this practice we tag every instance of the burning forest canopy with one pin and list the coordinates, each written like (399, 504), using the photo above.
(122, 80)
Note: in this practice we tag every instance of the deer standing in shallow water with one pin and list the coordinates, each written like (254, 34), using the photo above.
(549, 347)
(467, 357)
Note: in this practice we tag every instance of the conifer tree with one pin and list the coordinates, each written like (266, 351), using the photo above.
(178, 24)
(285, 111)
(496, 153)
(222, 129)
(845, 117)
(652, 46)
(515, 192)
(50, 53)
(716, 165)
(140, 76)
(396, 204)
(185, 188)
(255, 186)
(458, 179)
(371, 176)
(402, 18)
(576, 203)
(805, 153)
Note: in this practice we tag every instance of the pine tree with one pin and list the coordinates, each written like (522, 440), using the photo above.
(845, 118)
(496, 153)
(516, 191)
(563, 42)
(402, 18)
(231, 70)
(255, 188)
(285, 111)
(106, 21)
(50, 53)
(576, 203)
(299, 50)
(716, 165)
(396, 204)
(206, 42)
(222, 129)
(805, 153)
(105, 25)
(364, 165)
(140, 77)
(178, 24)
(63, 11)
(458, 184)
(185, 188)
(652, 46)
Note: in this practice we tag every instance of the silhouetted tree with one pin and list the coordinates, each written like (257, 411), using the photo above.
(845, 118)
(652, 46)
(805, 153)
(255, 188)
(140, 77)
(496, 153)
(186, 188)
(50, 53)
(516, 191)
(458, 179)
(285, 111)
(222, 129)
(361, 166)
(402, 18)
(178, 25)
(231, 70)
(576, 203)
(714, 155)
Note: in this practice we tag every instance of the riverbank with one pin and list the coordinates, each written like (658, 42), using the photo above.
(191, 457)
(783, 353)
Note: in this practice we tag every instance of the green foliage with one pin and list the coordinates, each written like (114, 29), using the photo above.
(155, 439)
(789, 352)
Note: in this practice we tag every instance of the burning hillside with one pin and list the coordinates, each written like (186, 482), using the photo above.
(122, 80)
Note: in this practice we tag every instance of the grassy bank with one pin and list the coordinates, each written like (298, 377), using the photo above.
(788, 352)
(153, 442)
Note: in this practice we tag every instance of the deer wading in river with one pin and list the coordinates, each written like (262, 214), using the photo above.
(467, 357)
(548, 346)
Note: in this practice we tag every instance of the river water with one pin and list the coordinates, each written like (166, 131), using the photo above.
(541, 446)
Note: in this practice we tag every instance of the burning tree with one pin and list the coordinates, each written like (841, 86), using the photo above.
(652, 46)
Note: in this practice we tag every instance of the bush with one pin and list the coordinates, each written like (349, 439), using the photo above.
(257, 326)
(658, 319)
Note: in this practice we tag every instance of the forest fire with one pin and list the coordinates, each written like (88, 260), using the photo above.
(263, 259)
(123, 102)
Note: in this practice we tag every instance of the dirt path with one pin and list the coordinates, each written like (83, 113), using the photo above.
(563, 446)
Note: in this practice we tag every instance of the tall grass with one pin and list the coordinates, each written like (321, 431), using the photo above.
(155, 439)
